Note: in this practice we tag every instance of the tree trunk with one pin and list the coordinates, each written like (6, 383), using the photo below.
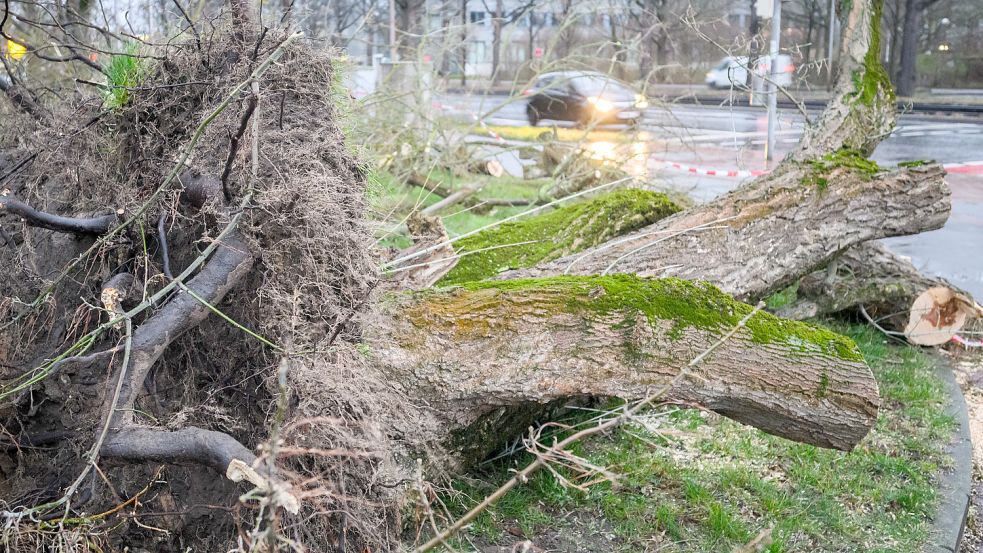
(484, 354)
(910, 29)
(867, 275)
(496, 40)
(765, 235)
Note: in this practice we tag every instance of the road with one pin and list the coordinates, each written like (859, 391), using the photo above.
(718, 139)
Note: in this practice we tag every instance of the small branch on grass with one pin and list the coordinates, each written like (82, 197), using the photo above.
(77, 225)
(541, 459)
(452, 199)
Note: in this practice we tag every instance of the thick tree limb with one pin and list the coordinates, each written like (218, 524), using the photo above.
(78, 225)
(765, 235)
(867, 275)
(480, 354)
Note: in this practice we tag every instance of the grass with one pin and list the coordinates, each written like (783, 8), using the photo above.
(391, 200)
(564, 134)
(123, 72)
(704, 483)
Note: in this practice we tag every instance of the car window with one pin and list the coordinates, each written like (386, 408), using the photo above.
(595, 85)
(543, 82)
(723, 64)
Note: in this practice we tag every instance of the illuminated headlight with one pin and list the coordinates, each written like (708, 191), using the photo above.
(641, 102)
(600, 104)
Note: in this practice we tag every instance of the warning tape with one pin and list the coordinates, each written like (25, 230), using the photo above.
(966, 342)
(733, 173)
(965, 167)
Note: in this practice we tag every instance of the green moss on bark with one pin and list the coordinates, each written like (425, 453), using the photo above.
(915, 163)
(872, 82)
(683, 303)
(566, 230)
(844, 158)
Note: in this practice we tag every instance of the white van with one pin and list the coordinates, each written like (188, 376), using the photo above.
(731, 72)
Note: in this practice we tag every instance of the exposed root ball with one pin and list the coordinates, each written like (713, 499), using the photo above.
(312, 277)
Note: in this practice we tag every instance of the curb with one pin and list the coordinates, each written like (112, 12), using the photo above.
(955, 484)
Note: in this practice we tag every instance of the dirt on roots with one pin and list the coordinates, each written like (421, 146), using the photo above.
(343, 440)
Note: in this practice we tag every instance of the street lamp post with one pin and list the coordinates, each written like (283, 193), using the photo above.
(776, 34)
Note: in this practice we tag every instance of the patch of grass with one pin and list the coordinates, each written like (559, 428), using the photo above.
(532, 134)
(715, 483)
(783, 297)
(124, 71)
(391, 200)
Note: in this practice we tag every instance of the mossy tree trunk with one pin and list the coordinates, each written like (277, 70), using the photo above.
(765, 235)
(488, 357)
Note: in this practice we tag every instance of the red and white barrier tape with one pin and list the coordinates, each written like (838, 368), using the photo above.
(969, 167)
(967, 343)
(733, 173)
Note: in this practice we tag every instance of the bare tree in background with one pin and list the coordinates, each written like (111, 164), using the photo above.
(914, 12)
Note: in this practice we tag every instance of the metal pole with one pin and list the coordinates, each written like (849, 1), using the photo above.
(829, 44)
(393, 54)
(776, 35)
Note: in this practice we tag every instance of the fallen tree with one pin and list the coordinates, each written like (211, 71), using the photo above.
(274, 350)
(766, 234)
(618, 336)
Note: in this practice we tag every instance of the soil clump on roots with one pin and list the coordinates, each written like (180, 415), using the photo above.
(280, 359)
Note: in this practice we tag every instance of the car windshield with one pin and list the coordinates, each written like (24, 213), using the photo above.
(595, 85)
(724, 64)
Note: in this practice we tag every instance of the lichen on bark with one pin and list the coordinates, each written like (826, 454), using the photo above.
(569, 229)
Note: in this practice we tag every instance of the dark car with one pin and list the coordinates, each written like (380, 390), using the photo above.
(583, 98)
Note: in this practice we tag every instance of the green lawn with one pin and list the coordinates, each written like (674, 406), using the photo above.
(695, 481)
(391, 201)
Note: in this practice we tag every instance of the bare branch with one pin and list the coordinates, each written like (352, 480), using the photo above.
(91, 225)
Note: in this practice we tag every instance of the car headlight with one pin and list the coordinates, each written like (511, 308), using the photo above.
(600, 104)
(641, 102)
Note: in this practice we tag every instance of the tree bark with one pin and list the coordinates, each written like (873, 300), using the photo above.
(867, 275)
(77, 225)
(482, 353)
(911, 31)
(763, 236)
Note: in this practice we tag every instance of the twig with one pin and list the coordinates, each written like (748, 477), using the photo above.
(523, 475)
(234, 145)
(94, 453)
(889, 333)
(162, 238)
